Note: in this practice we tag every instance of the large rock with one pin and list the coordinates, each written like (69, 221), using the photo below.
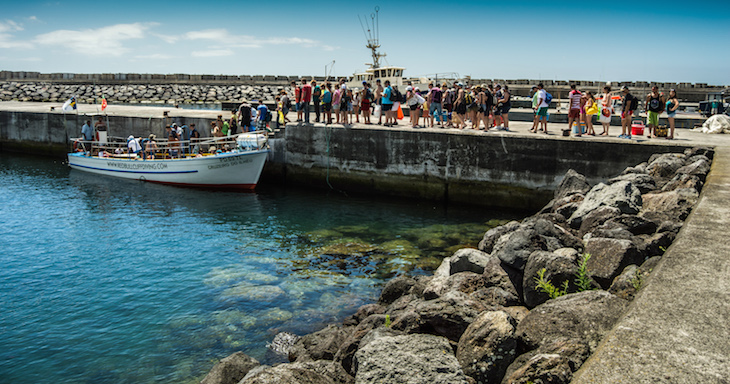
(414, 358)
(644, 182)
(586, 316)
(622, 195)
(346, 352)
(674, 205)
(632, 279)
(574, 351)
(542, 368)
(560, 266)
(533, 235)
(320, 345)
(491, 236)
(395, 288)
(609, 257)
(488, 346)
(572, 183)
(664, 165)
(231, 369)
(469, 260)
(294, 373)
(596, 218)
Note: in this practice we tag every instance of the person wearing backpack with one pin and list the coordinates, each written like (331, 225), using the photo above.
(434, 104)
(285, 104)
(262, 115)
(654, 105)
(366, 97)
(629, 105)
(327, 102)
(387, 103)
(316, 96)
(542, 107)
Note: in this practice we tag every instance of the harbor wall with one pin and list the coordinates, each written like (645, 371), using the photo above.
(499, 170)
(491, 170)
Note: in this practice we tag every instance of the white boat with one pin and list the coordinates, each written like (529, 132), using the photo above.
(238, 167)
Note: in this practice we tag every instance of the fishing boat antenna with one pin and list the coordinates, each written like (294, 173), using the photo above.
(372, 34)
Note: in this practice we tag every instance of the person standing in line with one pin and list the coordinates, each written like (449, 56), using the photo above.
(498, 122)
(506, 102)
(285, 105)
(459, 117)
(629, 105)
(574, 97)
(306, 98)
(591, 108)
(297, 99)
(244, 116)
(542, 107)
(607, 110)
(533, 95)
(379, 99)
(387, 103)
(316, 97)
(366, 97)
(671, 107)
(356, 105)
(653, 105)
(346, 106)
(327, 103)
(336, 103)
(434, 104)
(447, 101)
(261, 112)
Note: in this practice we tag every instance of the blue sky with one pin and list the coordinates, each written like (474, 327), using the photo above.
(663, 41)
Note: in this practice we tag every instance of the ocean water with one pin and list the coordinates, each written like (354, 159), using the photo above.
(105, 280)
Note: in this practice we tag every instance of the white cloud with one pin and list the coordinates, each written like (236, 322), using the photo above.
(156, 56)
(6, 41)
(212, 53)
(10, 26)
(246, 41)
(102, 41)
(170, 39)
(208, 34)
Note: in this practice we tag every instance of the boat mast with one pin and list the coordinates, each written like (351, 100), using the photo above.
(373, 37)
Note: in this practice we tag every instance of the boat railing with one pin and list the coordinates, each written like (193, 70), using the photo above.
(159, 149)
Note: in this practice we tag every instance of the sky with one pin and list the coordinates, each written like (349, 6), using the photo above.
(618, 40)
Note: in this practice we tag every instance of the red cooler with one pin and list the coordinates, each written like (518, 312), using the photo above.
(637, 128)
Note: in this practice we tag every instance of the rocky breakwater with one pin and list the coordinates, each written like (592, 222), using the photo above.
(529, 305)
(142, 93)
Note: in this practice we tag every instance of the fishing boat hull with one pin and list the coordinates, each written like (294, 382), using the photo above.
(235, 170)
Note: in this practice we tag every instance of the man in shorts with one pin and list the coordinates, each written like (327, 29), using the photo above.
(654, 105)
(629, 104)
(434, 104)
(534, 95)
(542, 107)
(574, 112)
(387, 104)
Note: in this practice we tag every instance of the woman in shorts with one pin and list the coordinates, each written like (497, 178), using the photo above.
(671, 108)
(506, 102)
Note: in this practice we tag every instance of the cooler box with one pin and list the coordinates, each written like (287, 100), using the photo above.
(637, 128)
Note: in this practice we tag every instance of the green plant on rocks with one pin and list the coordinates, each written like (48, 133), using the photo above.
(582, 279)
(548, 287)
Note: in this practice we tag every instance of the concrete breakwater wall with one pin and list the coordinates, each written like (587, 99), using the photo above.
(491, 170)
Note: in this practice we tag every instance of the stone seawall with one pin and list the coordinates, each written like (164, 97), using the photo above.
(495, 170)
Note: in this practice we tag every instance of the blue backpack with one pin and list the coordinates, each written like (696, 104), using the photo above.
(548, 97)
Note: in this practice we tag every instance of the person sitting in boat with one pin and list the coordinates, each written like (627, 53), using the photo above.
(194, 139)
(133, 145)
(151, 146)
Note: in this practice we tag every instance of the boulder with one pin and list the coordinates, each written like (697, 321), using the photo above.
(596, 218)
(532, 235)
(542, 368)
(698, 168)
(644, 182)
(609, 257)
(572, 183)
(469, 260)
(697, 151)
(283, 344)
(488, 347)
(622, 195)
(491, 236)
(626, 284)
(586, 316)
(320, 345)
(662, 166)
(414, 358)
(347, 349)
(674, 205)
(395, 288)
(637, 225)
(362, 313)
(559, 268)
(231, 369)
(575, 351)
(294, 373)
(681, 181)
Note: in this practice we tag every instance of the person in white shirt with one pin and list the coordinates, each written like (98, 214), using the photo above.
(542, 107)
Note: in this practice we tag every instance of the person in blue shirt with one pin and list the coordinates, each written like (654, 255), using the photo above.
(261, 112)
(387, 104)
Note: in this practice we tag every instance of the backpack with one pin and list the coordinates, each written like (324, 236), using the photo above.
(327, 97)
(436, 94)
(395, 96)
(468, 99)
(632, 101)
(317, 91)
(268, 116)
(548, 97)
(369, 94)
(288, 103)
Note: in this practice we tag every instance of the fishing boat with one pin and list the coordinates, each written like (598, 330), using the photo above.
(231, 162)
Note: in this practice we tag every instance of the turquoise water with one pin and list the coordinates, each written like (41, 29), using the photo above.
(105, 280)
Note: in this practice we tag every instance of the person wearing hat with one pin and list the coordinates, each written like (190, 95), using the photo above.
(629, 105)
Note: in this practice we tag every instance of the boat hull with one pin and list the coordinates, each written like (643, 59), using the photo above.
(236, 170)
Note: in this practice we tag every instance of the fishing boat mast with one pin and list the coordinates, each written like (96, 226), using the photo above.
(372, 34)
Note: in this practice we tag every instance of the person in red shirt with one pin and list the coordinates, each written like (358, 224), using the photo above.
(306, 98)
